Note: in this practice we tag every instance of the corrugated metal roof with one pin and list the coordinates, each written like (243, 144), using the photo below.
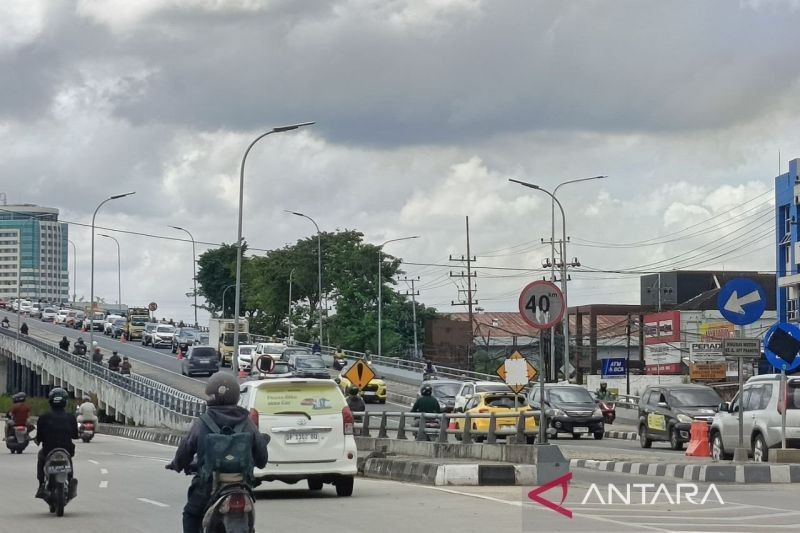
(510, 324)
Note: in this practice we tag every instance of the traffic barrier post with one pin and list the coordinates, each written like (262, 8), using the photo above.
(401, 427)
(699, 445)
(382, 429)
(491, 436)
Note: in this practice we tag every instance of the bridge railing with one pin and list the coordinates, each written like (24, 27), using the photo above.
(149, 389)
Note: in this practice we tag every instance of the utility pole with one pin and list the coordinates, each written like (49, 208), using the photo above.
(414, 293)
(628, 358)
(470, 302)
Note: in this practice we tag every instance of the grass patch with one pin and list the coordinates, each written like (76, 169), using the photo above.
(38, 406)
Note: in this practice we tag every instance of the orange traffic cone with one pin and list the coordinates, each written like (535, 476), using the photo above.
(180, 354)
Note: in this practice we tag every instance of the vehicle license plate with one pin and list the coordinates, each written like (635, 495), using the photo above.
(302, 438)
(580, 430)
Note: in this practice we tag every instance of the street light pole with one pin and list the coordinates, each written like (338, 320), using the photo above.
(223, 297)
(74, 270)
(380, 287)
(194, 269)
(119, 271)
(234, 358)
(291, 273)
(91, 292)
(563, 253)
(319, 268)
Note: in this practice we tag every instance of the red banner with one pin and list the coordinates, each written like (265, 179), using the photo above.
(664, 370)
(662, 327)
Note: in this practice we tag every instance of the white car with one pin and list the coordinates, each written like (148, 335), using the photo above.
(49, 314)
(470, 388)
(61, 316)
(25, 306)
(245, 358)
(273, 349)
(109, 323)
(162, 336)
(311, 431)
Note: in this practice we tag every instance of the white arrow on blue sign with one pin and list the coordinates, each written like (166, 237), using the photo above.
(742, 301)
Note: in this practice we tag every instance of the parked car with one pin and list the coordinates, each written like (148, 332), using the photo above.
(308, 366)
(147, 334)
(445, 391)
(162, 336)
(294, 350)
(200, 360)
(245, 357)
(762, 410)
(183, 338)
(499, 403)
(666, 412)
(311, 429)
(118, 328)
(470, 388)
(568, 409)
(49, 314)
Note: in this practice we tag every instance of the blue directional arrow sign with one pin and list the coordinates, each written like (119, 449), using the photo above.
(782, 346)
(742, 301)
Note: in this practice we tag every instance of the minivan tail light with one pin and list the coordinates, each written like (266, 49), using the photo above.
(254, 416)
(347, 419)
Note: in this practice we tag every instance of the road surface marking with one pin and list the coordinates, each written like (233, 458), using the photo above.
(93, 462)
(160, 459)
(104, 471)
(152, 502)
(104, 484)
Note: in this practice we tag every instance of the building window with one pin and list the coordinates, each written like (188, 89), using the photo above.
(791, 309)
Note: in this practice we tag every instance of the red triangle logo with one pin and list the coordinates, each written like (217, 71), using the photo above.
(563, 482)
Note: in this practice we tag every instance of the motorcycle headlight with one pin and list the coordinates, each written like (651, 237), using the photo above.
(597, 412)
(684, 419)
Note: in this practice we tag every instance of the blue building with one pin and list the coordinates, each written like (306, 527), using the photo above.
(33, 254)
(787, 200)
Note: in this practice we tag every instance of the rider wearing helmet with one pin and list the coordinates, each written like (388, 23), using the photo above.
(354, 401)
(19, 413)
(222, 390)
(426, 403)
(55, 429)
(603, 392)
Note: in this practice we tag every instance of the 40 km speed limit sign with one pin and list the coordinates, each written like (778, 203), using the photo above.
(541, 304)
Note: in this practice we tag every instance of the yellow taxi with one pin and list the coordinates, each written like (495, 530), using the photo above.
(374, 392)
(499, 403)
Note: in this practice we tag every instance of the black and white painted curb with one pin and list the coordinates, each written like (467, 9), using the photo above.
(627, 435)
(149, 434)
(710, 473)
(429, 473)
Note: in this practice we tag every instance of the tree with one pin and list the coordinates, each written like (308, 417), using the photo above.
(216, 271)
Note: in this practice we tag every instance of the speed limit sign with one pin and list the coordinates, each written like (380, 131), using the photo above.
(541, 304)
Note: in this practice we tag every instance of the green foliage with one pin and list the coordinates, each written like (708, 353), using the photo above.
(38, 406)
(216, 270)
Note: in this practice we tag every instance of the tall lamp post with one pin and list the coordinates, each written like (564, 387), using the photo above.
(563, 252)
(319, 267)
(194, 269)
(223, 297)
(74, 270)
(380, 287)
(119, 271)
(291, 273)
(91, 292)
(234, 359)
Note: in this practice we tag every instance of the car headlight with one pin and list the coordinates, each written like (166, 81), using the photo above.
(684, 419)
(597, 412)
(556, 412)
(442, 405)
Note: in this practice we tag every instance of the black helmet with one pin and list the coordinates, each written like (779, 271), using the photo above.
(58, 398)
(222, 389)
(19, 397)
(603, 385)
(114, 352)
(80, 339)
(352, 391)
(426, 390)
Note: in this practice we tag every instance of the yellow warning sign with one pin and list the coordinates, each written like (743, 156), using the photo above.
(516, 372)
(360, 374)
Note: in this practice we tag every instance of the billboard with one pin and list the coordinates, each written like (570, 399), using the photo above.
(613, 367)
(706, 351)
(708, 372)
(663, 359)
(662, 327)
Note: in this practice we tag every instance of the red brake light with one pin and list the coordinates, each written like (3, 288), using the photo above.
(347, 419)
(19, 428)
(235, 503)
(484, 410)
(254, 415)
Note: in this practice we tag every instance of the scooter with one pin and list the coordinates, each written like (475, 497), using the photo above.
(86, 431)
(609, 411)
(339, 364)
(17, 437)
(60, 486)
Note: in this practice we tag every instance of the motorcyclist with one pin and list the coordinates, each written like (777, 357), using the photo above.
(87, 411)
(114, 361)
(64, 343)
(55, 429)
(367, 357)
(316, 347)
(4, 323)
(222, 390)
(603, 392)
(125, 367)
(354, 401)
(80, 347)
(339, 359)
(426, 403)
(97, 355)
(23, 328)
(18, 414)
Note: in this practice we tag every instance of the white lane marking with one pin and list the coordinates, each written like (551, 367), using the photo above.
(159, 459)
(152, 502)
(93, 462)
(104, 484)
(104, 471)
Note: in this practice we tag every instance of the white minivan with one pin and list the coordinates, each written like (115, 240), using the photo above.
(310, 429)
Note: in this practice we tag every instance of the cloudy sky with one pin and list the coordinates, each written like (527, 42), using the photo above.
(424, 109)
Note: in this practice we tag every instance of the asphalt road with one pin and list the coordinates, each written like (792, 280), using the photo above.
(123, 487)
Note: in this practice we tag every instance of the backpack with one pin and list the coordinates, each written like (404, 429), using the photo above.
(227, 451)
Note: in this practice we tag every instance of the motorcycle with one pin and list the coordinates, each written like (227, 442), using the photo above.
(17, 437)
(609, 410)
(79, 349)
(86, 431)
(60, 486)
(339, 364)
(232, 508)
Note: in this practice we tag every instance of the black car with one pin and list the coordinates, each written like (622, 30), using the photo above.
(569, 409)
(444, 390)
(183, 338)
(296, 350)
(200, 360)
(666, 412)
(309, 366)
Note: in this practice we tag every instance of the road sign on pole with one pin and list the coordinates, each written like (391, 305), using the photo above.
(360, 374)
(782, 345)
(541, 304)
(742, 301)
(746, 348)
(516, 372)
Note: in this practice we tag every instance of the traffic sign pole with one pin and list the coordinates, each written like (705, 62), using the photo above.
(542, 433)
(784, 388)
(741, 406)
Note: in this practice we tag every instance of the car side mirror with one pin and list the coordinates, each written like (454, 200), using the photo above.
(663, 404)
(724, 407)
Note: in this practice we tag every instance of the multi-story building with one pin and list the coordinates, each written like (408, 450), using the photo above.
(787, 254)
(33, 250)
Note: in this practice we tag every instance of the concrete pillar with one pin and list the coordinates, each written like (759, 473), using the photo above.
(593, 366)
(4, 363)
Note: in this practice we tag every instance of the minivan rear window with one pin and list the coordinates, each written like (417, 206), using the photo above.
(204, 352)
(292, 398)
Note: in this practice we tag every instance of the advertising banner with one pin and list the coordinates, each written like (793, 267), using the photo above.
(613, 368)
(706, 351)
(662, 327)
(663, 359)
(708, 371)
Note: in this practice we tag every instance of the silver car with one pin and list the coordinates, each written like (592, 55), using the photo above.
(761, 418)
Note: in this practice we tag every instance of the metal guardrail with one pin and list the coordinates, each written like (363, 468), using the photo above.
(440, 433)
(170, 398)
(626, 400)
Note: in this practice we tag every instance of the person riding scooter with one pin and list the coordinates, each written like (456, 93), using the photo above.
(125, 367)
(97, 355)
(114, 361)
(603, 393)
(55, 429)
(80, 347)
(86, 411)
(354, 401)
(223, 395)
(4, 323)
(64, 343)
(18, 414)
